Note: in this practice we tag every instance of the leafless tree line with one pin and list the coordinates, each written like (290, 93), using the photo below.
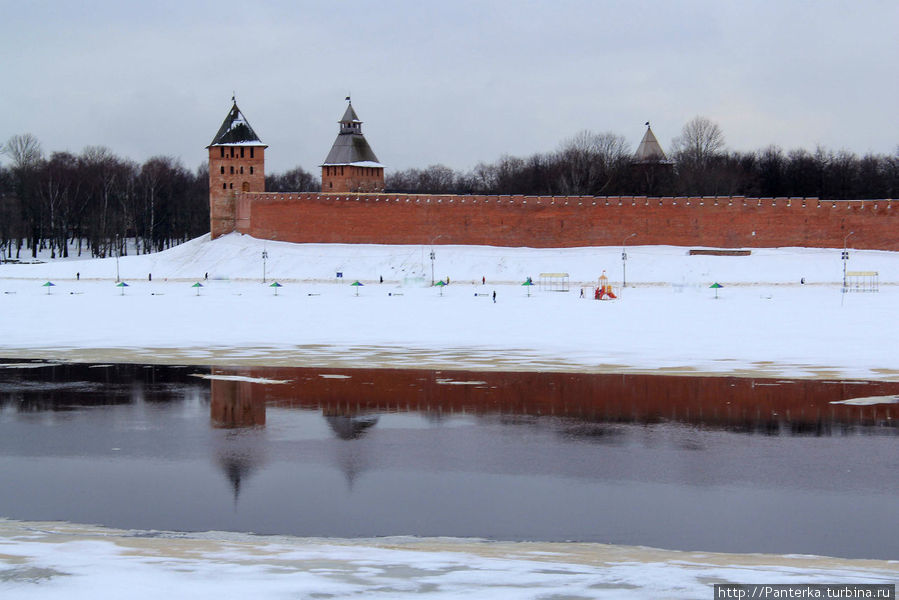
(699, 164)
(95, 200)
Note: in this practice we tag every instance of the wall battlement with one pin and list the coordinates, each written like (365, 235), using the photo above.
(566, 221)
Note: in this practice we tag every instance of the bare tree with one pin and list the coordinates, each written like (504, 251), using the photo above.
(294, 180)
(700, 141)
(24, 150)
(590, 161)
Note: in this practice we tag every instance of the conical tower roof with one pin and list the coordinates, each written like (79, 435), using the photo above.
(649, 150)
(351, 147)
(236, 130)
(349, 116)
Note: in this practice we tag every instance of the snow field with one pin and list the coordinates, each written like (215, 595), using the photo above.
(760, 323)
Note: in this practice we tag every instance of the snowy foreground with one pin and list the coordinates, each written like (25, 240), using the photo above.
(59, 560)
(764, 322)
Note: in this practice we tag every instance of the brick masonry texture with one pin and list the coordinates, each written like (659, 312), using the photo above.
(560, 221)
(248, 172)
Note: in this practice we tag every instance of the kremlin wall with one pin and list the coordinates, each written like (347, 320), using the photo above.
(562, 222)
(357, 212)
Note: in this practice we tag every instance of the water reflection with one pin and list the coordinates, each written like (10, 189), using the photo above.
(740, 405)
(722, 463)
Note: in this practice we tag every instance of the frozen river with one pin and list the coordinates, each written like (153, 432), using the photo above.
(718, 464)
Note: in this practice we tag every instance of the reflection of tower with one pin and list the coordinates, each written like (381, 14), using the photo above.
(351, 457)
(233, 405)
(350, 428)
(242, 453)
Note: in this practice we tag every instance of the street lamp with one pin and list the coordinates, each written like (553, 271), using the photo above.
(624, 261)
(433, 256)
(264, 258)
(845, 258)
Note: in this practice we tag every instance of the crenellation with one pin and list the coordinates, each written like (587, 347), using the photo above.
(370, 216)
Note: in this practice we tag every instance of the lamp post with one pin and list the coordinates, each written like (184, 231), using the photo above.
(117, 258)
(845, 258)
(624, 261)
(264, 258)
(433, 256)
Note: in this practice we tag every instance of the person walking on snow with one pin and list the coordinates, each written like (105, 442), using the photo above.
(494, 296)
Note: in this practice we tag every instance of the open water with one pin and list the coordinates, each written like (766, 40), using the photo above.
(708, 463)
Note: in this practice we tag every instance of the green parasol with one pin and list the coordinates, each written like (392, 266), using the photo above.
(357, 285)
(49, 285)
(276, 285)
(122, 285)
(528, 283)
(441, 284)
(197, 285)
(716, 286)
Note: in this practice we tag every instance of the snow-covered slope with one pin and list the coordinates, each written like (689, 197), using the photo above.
(764, 320)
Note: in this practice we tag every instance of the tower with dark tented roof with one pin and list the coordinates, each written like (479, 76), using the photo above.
(236, 164)
(351, 165)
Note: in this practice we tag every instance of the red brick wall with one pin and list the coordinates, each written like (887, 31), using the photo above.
(546, 222)
(248, 171)
(347, 178)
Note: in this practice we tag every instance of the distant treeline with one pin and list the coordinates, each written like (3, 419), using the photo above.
(603, 164)
(96, 199)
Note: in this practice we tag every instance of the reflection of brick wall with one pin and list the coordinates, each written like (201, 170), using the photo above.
(722, 401)
(546, 222)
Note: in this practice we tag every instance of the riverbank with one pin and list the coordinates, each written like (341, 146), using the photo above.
(55, 560)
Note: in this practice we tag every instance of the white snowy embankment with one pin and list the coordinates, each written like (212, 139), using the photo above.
(764, 320)
(59, 560)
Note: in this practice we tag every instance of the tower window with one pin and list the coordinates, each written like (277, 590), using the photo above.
(241, 152)
(251, 168)
(251, 152)
(224, 186)
(241, 169)
(223, 170)
(232, 170)
(232, 152)
(232, 186)
(223, 151)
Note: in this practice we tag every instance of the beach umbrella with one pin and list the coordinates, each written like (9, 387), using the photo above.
(528, 283)
(356, 285)
(122, 285)
(48, 285)
(441, 284)
(716, 286)
(197, 285)
(276, 285)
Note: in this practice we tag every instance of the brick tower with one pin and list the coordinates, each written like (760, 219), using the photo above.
(236, 163)
(351, 165)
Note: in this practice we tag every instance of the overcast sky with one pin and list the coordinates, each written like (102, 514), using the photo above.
(452, 82)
